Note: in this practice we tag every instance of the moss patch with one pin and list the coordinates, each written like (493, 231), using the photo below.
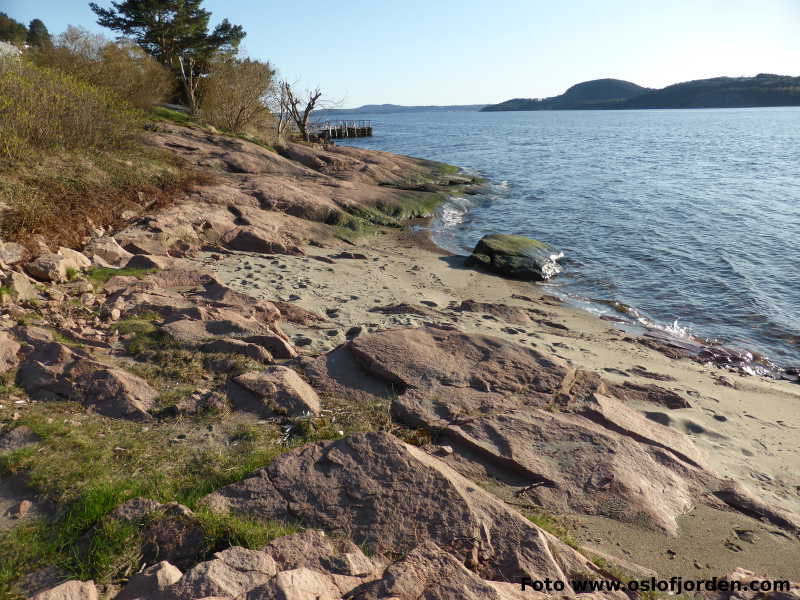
(99, 276)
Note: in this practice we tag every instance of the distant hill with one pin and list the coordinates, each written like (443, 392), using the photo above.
(724, 92)
(394, 108)
(719, 92)
(599, 93)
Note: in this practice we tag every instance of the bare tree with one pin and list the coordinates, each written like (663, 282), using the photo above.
(299, 108)
(279, 106)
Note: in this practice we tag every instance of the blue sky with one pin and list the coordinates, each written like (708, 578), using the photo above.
(481, 51)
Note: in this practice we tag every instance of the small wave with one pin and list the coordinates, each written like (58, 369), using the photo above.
(552, 268)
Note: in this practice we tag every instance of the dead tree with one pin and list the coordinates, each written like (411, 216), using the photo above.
(299, 107)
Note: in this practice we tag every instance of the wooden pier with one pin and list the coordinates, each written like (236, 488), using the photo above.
(334, 130)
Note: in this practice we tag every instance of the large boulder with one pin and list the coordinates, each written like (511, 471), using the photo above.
(300, 566)
(516, 256)
(70, 590)
(431, 573)
(50, 267)
(21, 286)
(57, 266)
(116, 393)
(108, 250)
(298, 584)
(282, 390)
(390, 497)
(150, 583)
(12, 253)
(230, 573)
(55, 372)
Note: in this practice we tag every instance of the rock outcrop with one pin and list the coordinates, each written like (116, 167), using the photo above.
(516, 256)
(70, 590)
(282, 390)
(559, 436)
(9, 348)
(391, 497)
(55, 372)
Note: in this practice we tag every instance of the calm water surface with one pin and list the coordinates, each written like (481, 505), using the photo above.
(686, 215)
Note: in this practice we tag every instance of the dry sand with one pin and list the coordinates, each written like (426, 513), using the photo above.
(749, 431)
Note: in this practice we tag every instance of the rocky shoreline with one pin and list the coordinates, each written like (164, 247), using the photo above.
(408, 426)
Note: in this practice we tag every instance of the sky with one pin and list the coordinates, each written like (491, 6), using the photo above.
(438, 52)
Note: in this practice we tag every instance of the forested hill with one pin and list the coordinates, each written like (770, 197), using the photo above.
(599, 93)
(718, 92)
(374, 109)
(724, 92)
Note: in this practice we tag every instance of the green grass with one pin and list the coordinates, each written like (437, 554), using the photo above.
(225, 530)
(90, 464)
(65, 339)
(553, 525)
(162, 113)
(99, 276)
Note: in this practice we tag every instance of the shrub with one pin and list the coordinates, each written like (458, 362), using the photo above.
(43, 109)
(234, 95)
(120, 66)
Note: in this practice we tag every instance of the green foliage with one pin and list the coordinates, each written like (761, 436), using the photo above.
(120, 66)
(38, 36)
(233, 94)
(162, 113)
(176, 33)
(46, 110)
(12, 31)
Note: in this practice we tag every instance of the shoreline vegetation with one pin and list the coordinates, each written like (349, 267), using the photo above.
(233, 366)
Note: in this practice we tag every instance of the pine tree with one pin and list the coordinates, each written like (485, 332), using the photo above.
(38, 35)
(176, 33)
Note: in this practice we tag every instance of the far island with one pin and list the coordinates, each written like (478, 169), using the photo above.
(718, 92)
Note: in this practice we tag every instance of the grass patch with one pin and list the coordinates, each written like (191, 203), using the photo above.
(90, 464)
(170, 115)
(226, 530)
(99, 276)
(553, 525)
(67, 340)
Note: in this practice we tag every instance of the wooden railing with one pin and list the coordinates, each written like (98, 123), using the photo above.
(341, 129)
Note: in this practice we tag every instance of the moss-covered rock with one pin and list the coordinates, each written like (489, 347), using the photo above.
(516, 256)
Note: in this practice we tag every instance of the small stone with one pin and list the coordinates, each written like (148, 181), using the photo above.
(21, 510)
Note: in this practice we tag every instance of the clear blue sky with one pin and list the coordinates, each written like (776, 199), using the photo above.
(481, 51)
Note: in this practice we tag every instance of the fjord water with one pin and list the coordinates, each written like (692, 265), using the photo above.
(685, 215)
